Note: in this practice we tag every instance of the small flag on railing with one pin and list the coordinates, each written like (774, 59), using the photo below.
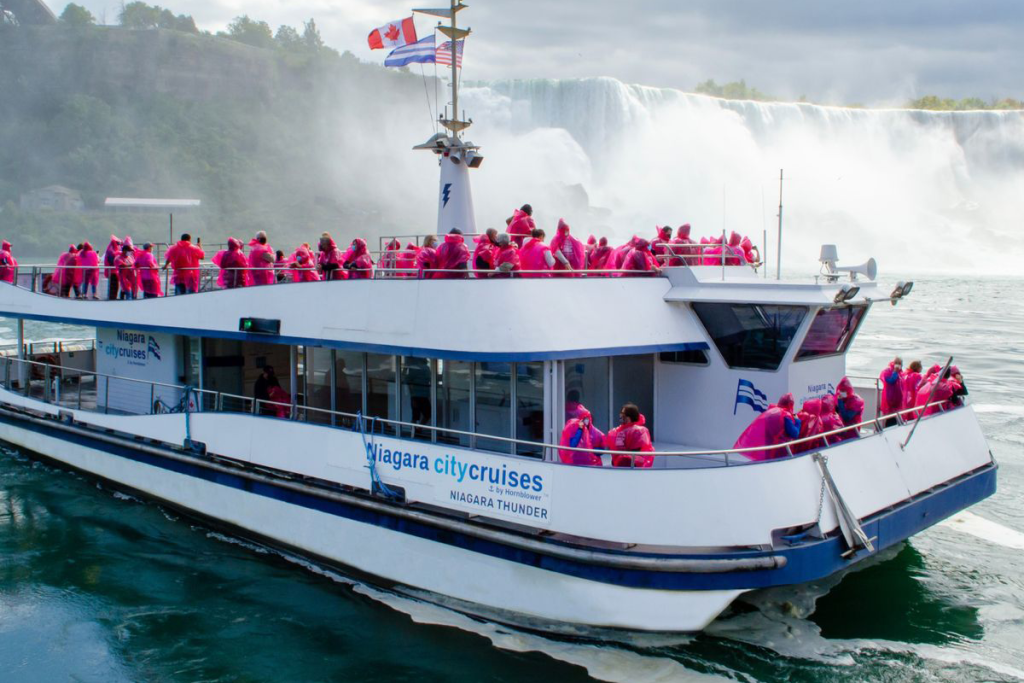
(747, 393)
(444, 53)
(421, 52)
(393, 34)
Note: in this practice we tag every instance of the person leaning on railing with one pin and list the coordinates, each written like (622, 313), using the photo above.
(630, 435)
(185, 257)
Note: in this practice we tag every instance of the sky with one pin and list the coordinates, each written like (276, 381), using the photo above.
(872, 52)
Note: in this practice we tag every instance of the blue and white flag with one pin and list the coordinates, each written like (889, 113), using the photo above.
(420, 52)
(747, 393)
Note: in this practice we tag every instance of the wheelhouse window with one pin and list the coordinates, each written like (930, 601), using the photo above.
(831, 332)
(694, 357)
(754, 336)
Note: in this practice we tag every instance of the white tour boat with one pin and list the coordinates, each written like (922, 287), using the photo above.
(418, 446)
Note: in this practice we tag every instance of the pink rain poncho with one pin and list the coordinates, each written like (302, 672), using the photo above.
(262, 269)
(893, 389)
(830, 420)
(733, 252)
(510, 255)
(635, 438)
(426, 262)
(148, 271)
(599, 257)
(113, 249)
(681, 248)
(303, 265)
(184, 258)
(943, 394)
(483, 254)
(749, 251)
(127, 277)
(452, 256)
(532, 257)
(330, 260)
(389, 259)
(591, 246)
(911, 383)
(233, 266)
(580, 432)
(850, 407)
(769, 429)
(64, 275)
(570, 247)
(520, 226)
(357, 262)
(659, 245)
(407, 261)
(640, 260)
(8, 264)
(810, 425)
(89, 262)
(282, 401)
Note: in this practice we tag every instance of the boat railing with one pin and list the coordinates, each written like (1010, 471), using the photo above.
(48, 383)
(50, 346)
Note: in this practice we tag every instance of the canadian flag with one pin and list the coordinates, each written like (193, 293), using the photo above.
(395, 34)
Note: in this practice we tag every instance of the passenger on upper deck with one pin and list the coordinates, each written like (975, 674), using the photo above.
(591, 246)
(521, 225)
(939, 389)
(506, 260)
(681, 248)
(185, 257)
(426, 258)
(8, 264)
(580, 432)
(893, 389)
(64, 274)
(88, 261)
(752, 254)
(113, 249)
(358, 263)
(850, 407)
(911, 381)
(148, 271)
(303, 266)
(959, 388)
(330, 259)
(261, 260)
(486, 249)
(659, 245)
(640, 261)
(630, 435)
(407, 261)
(389, 259)
(830, 420)
(773, 427)
(599, 257)
(810, 425)
(452, 260)
(618, 254)
(233, 265)
(569, 252)
(536, 256)
(127, 277)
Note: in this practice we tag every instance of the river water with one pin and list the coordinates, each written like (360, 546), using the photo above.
(97, 586)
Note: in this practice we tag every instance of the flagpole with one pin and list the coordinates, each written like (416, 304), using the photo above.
(455, 62)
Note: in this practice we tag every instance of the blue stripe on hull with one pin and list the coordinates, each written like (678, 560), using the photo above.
(805, 562)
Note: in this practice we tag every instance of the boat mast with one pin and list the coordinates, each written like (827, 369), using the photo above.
(455, 156)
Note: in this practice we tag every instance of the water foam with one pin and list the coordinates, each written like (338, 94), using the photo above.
(987, 530)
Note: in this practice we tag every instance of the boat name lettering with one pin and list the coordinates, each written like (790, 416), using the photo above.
(513, 481)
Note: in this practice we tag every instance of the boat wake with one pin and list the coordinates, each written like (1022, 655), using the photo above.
(987, 530)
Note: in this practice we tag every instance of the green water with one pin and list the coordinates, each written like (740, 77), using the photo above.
(95, 586)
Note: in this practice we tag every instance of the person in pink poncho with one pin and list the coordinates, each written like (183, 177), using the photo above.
(407, 261)
(506, 258)
(233, 266)
(536, 256)
(452, 260)
(580, 432)
(681, 248)
(810, 426)
(184, 259)
(303, 265)
(591, 246)
(89, 261)
(659, 245)
(8, 264)
(599, 257)
(893, 390)
(330, 259)
(911, 381)
(774, 427)
(750, 252)
(64, 275)
(389, 259)
(830, 420)
(261, 260)
(426, 258)
(358, 263)
(148, 273)
(127, 276)
(640, 261)
(850, 407)
(113, 249)
(483, 255)
(944, 388)
(630, 435)
(521, 225)
(569, 252)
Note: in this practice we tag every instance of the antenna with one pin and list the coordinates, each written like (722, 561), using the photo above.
(778, 253)
(455, 35)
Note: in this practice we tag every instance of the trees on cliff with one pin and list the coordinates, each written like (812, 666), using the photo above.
(76, 15)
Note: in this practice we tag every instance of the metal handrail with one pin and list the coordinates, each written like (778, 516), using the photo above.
(220, 396)
(931, 395)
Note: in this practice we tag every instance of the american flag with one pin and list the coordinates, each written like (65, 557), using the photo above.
(444, 53)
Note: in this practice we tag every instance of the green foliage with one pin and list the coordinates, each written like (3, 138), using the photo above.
(737, 90)
(251, 32)
(141, 16)
(935, 103)
(311, 37)
(76, 15)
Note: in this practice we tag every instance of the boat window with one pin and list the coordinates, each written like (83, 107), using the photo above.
(417, 387)
(831, 332)
(754, 336)
(529, 406)
(695, 357)
(494, 404)
(632, 382)
(453, 393)
(381, 390)
(586, 382)
(348, 385)
(319, 385)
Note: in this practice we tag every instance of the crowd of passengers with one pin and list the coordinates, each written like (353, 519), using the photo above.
(521, 251)
(907, 392)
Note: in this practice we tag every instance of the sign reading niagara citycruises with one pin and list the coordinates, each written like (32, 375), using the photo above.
(515, 489)
(134, 348)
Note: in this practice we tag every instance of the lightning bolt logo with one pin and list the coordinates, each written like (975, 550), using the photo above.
(446, 194)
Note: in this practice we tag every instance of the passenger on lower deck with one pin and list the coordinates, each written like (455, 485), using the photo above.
(773, 427)
(850, 407)
(630, 435)
(580, 432)
(261, 391)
